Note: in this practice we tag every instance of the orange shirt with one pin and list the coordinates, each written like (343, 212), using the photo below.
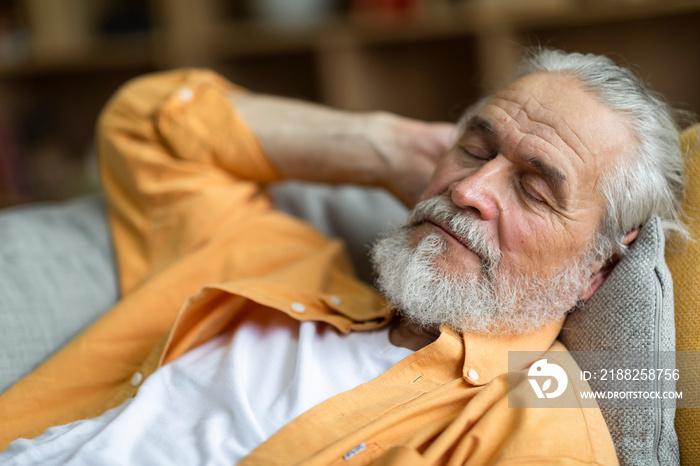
(199, 246)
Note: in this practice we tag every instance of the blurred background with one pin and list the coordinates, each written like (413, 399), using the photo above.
(60, 60)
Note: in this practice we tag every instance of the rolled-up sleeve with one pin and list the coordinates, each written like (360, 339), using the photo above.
(174, 157)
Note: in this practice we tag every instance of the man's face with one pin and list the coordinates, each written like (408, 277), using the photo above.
(528, 167)
(521, 203)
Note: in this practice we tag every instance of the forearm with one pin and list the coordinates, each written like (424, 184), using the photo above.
(316, 143)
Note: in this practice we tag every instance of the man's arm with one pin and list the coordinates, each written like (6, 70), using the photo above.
(184, 178)
(172, 145)
(317, 143)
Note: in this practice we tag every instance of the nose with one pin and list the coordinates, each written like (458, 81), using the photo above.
(480, 191)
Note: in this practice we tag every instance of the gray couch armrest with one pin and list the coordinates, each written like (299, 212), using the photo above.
(57, 275)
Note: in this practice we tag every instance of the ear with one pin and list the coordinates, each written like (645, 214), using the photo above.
(599, 277)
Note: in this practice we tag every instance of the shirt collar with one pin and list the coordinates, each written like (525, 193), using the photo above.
(486, 357)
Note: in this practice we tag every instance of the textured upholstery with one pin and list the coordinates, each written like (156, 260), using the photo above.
(685, 266)
(56, 276)
(633, 311)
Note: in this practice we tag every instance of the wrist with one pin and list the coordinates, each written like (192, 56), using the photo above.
(381, 130)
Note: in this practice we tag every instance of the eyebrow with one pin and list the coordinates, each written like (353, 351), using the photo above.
(481, 126)
(554, 177)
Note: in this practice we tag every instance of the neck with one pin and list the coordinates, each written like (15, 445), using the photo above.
(410, 335)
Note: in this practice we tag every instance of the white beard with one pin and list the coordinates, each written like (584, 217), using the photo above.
(492, 302)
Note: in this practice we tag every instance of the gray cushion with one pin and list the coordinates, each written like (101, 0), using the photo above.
(633, 311)
(56, 276)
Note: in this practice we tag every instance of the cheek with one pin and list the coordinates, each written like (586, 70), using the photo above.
(531, 245)
(518, 241)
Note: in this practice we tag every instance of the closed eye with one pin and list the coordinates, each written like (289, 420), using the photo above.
(532, 196)
(474, 152)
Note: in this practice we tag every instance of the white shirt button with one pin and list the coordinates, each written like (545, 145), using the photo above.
(185, 94)
(298, 307)
(474, 375)
(335, 300)
(136, 379)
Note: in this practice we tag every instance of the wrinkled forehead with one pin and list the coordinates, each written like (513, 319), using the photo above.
(554, 117)
(544, 102)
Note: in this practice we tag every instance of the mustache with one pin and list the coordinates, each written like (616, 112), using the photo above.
(463, 225)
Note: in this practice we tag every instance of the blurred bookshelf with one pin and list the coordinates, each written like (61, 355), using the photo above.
(60, 60)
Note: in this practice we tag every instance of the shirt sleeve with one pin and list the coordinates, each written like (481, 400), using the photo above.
(175, 158)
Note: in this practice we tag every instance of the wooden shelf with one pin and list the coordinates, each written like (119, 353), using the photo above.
(215, 38)
(474, 18)
(561, 13)
(103, 53)
(422, 63)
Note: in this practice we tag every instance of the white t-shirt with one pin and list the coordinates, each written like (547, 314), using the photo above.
(219, 401)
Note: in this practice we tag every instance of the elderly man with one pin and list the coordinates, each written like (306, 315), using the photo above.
(278, 354)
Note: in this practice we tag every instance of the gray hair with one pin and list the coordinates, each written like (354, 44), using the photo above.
(653, 182)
